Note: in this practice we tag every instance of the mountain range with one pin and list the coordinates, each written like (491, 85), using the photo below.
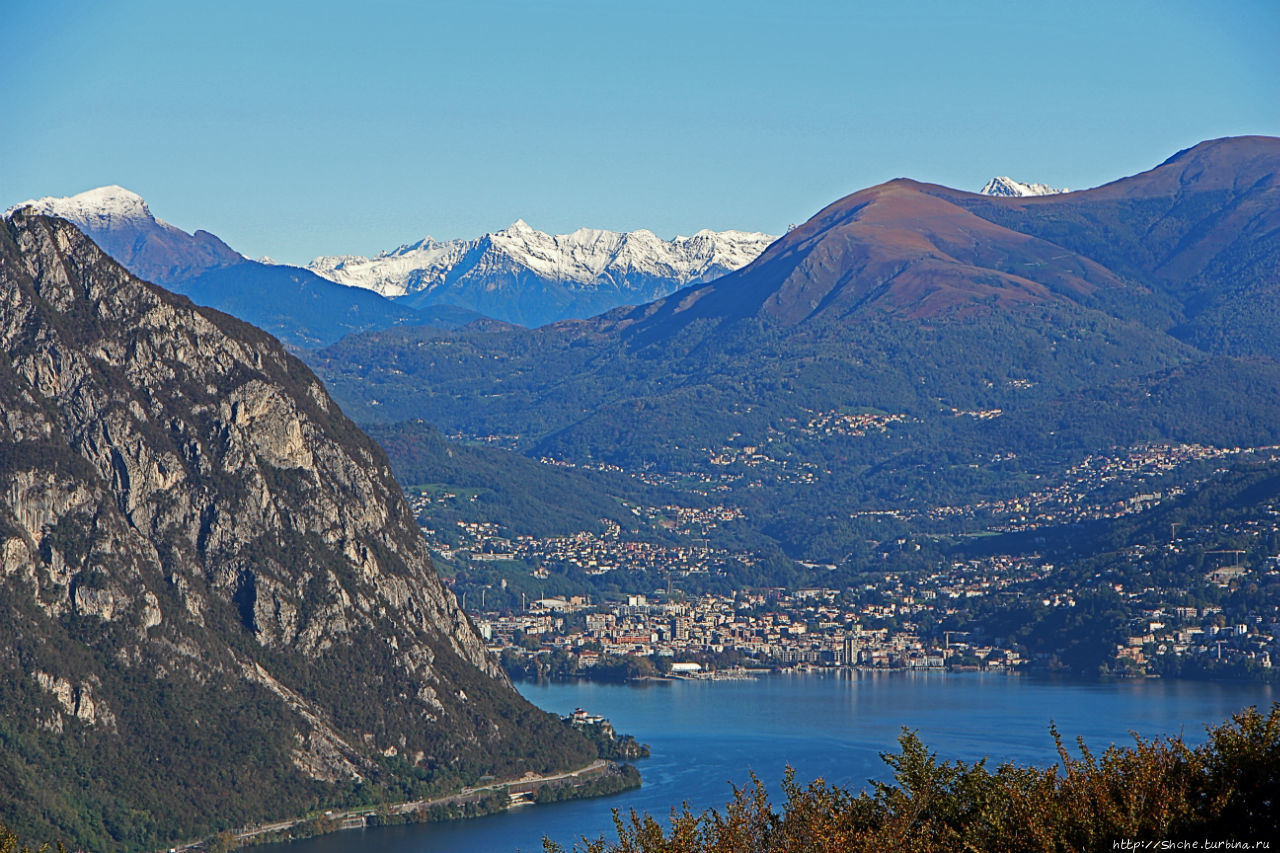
(966, 328)
(524, 276)
(516, 275)
(218, 606)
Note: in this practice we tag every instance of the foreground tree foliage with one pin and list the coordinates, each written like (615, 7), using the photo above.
(1157, 790)
(10, 843)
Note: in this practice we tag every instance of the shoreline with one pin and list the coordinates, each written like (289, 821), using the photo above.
(468, 802)
(750, 673)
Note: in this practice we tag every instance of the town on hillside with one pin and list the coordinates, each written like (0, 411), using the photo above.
(1128, 613)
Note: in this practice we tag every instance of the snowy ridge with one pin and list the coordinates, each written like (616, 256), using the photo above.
(587, 259)
(101, 209)
(1009, 188)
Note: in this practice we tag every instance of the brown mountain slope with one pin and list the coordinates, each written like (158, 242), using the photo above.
(899, 250)
(1142, 245)
(1171, 225)
(904, 294)
(894, 250)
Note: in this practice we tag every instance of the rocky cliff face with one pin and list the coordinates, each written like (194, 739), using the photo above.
(193, 538)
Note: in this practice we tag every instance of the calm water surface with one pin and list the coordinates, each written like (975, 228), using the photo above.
(707, 735)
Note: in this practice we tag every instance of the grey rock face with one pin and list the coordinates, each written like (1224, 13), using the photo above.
(175, 484)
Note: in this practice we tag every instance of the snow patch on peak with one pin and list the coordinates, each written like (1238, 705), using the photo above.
(1006, 187)
(122, 225)
(102, 208)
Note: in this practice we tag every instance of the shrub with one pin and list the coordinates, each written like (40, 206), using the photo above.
(1157, 790)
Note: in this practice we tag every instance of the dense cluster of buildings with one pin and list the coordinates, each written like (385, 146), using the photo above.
(849, 425)
(1202, 635)
(879, 626)
(806, 627)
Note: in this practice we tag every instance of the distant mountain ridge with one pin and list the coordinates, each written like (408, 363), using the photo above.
(522, 275)
(516, 275)
(928, 251)
(122, 224)
(294, 304)
(1009, 188)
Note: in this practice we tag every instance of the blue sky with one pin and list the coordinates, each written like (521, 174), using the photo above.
(298, 129)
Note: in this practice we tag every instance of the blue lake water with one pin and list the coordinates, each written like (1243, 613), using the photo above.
(707, 735)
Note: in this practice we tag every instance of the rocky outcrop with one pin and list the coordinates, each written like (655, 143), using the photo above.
(184, 510)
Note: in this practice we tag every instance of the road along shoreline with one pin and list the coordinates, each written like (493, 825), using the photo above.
(599, 778)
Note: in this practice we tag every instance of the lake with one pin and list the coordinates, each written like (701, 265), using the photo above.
(707, 735)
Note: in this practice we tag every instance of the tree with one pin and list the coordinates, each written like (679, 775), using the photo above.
(1155, 789)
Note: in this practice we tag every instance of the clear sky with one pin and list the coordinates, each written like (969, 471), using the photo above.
(299, 129)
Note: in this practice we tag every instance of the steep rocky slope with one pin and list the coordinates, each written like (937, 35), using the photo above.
(218, 607)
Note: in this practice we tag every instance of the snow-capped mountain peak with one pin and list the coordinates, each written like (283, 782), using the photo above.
(1009, 188)
(122, 224)
(104, 207)
(517, 227)
(590, 269)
